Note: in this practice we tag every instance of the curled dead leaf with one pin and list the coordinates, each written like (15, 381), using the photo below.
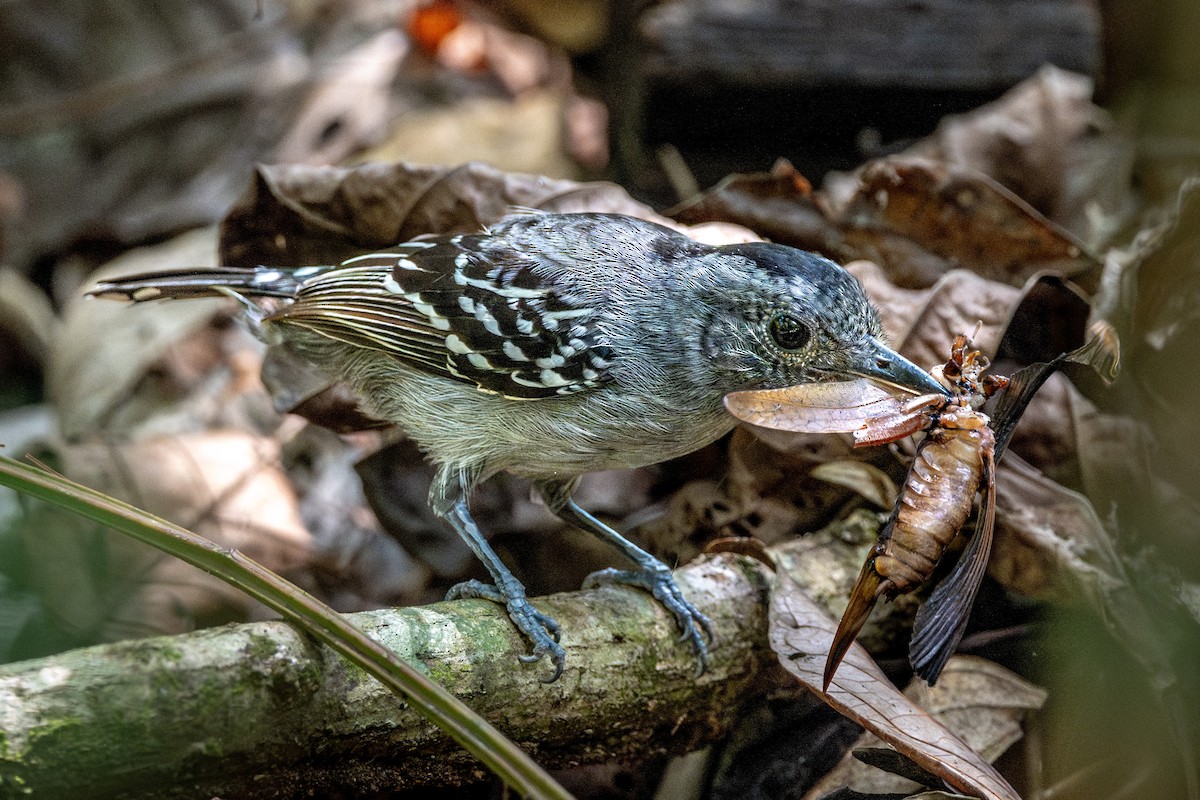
(801, 633)
(868, 480)
(299, 215)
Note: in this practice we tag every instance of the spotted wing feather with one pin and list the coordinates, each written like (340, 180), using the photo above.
(463, 308)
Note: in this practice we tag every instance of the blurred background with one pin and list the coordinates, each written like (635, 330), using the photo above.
(129, 129)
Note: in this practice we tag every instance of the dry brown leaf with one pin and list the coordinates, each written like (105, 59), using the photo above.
(362, 567)
(521, 134)
(958, 302)
(780, 205)
(916, 218)
(1049, 144)
(801, 634)
(225, 486)
(27, 322)
(875, 485)
(296, 215)
(349, 107)
(958, 215)
(770, 486)
(824, 565)
(980, 701)
(119, 368)
(1077, 557)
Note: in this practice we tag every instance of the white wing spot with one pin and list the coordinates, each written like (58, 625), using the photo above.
(516, 378)
(489, 322)
(478, 361)
(549, 377)
(456, 345)
(435, 319)
(555, 360)
(392, 285)
(514, 352)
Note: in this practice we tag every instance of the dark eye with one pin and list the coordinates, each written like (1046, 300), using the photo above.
(789, 332)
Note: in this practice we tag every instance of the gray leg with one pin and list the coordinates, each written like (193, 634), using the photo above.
(651, 575)
(448, 498)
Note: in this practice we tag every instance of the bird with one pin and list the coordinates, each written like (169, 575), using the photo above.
(550, 345)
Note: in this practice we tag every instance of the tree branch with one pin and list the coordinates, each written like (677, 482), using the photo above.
(259, 710)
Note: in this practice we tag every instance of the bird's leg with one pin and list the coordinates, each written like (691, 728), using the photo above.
(448, 498)
(652, 575)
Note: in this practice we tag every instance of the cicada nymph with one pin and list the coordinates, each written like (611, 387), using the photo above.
(954, 462)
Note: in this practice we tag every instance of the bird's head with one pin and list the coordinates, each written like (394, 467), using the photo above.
(782, 316)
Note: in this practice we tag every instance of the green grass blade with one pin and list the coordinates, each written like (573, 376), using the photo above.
(449, 713)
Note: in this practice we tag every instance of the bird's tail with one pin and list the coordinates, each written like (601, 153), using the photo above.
(210, 282)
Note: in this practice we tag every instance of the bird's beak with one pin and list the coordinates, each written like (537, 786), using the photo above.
(882, 363)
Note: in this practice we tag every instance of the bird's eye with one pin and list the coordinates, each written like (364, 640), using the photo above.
(789, 332)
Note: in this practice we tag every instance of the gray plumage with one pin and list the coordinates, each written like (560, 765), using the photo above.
(558, 344)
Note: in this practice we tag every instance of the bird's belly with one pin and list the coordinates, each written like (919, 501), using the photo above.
(458, 425)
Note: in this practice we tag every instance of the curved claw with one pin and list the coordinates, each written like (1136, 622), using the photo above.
(542, 630)
(661, 585)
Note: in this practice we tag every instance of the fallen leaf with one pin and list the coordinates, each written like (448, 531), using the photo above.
(226, 486)
(1050, 145)
(875, 485)
(917, 219)
(801, 633)
(299, 215)
(27, 321)
(350, 104)
(1079, 555)
(960, 216)
(156, 367)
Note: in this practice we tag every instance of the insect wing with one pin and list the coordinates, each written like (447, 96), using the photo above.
(862, 600)
(841, 407)
(942, 619)
(1101, 352)
(1014, 399)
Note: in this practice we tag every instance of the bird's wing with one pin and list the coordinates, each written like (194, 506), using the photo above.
(447, 306)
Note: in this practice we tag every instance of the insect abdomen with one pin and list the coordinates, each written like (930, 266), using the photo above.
(934, 504)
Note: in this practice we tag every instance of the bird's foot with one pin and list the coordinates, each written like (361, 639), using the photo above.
(659, 582)
(540, 629)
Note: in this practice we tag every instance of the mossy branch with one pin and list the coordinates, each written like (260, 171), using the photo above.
(260, 710)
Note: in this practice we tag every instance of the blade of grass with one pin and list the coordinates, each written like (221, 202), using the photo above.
(320, 621)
